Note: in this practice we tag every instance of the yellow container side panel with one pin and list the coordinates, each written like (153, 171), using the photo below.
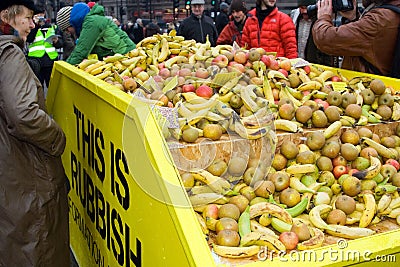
(123, 212)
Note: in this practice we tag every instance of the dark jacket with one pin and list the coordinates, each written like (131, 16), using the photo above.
(99, 35)
(68, 44)
(372, 37)
(197, 29)
(312, 53)
(231, 33)
(277, 34)
(221, 21)
(33, 198)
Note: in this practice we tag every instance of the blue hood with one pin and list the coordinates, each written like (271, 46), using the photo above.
(78, 14)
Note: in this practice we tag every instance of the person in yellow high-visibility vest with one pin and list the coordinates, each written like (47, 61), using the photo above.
(43, 47)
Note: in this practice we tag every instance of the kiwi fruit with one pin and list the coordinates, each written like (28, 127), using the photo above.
(346, 204)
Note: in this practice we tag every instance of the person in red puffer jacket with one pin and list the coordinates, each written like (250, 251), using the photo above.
(270, 29)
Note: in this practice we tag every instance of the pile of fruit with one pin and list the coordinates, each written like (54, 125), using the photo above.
(336, 180)
(325, 185)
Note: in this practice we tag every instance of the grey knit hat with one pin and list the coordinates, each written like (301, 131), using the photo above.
(63, 16)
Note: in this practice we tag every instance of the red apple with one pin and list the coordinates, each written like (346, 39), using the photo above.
(284, 72)
(211, 211)
(307, 69)
(339, 161)
(339, 170)
(274, 65)
(221, 61)
(393, 162)
(204, 91)
(285, 64)
(306, 92)
(240, 56)
(161, 65)
(164, 73)
(322, 103)
(289, 239)
(266, 59)
(188, 88)
(351, 171)
(336, 79)
(237, 67)
(202, 73)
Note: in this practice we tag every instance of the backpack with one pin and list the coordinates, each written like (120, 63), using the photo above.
(395, 71)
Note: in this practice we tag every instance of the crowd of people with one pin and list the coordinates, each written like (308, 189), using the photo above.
(33, 188)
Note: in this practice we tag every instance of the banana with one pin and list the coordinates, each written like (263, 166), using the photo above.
(101, 69)
(380, 190)
(316, 70)
(395, 203)
(303, 76)
(295, 93)
(326, 74)
(383, 203)
(174, 60)
(211, 223)
(261, 118)
(362, 121)
(86, 63)
(174, 45)
(314, 186)
(114, 58)
(94, 66)
(131, 62)
(146, 41)
(381, 149)
(200, 189)
(299, 208)
(224, 109)
(354, 217)
(332, 129)
(347, 121)
(209, 104)
(287, 126)
(214, 117)
(164, 50)
(225, 98)
(280, 225)
(394, 213)
(396, 111)
(267, 90)
(276, 211)
(301, 169)
(275, 74)
(262, 239)
(309, 86)
(257, 227)
(216, 183)
(236, 252)
(284, 93)
(244, 223)
(348, 232)
(207, 198)
(202, 223)
(315, 216)
(371, 171)
(246, 93)
(250, 134)
(316, 240)
(296, 184)
(104, 74)
(229, 85)
(370, 210)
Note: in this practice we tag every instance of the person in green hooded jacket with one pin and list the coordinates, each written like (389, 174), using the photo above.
(96, 34)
